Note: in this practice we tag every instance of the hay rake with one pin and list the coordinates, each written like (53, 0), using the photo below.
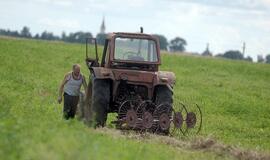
(146, 116)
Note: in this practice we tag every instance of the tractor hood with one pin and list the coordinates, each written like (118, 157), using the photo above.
(135, 76)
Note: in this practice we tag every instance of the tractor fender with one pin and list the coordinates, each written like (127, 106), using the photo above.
(165, 78)
(102, 73)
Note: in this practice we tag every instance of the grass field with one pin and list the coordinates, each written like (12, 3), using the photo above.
(234, 96)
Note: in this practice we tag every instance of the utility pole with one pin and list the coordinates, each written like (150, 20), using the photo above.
(244, 49)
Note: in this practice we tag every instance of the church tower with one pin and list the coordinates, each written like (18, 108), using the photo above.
(102, 27)
(207, 51)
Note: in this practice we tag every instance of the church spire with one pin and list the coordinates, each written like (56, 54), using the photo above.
(102, 27)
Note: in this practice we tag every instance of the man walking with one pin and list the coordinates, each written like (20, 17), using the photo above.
(71, 86)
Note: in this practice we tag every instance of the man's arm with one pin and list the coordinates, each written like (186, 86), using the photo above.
(61, 88)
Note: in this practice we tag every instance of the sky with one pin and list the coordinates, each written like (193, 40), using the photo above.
(225, 25)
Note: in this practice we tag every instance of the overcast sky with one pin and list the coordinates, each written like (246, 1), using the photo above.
(224, 24)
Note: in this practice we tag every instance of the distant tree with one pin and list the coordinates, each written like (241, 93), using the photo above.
(2, 32)
(78, 37)
(260, 59)
(162, 41)
(14, 33)
(101, 38)
(9, 33)
(63, 36)
(25, 32)
(81, 36)
(70, 37)
(219, 55)
(36, 36)
(233, 54)
(267, 58)
(178, 44)
(48, 36)
(88, 35)
(248, 58)
(44, 35)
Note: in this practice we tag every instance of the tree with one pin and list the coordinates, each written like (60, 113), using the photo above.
(48, 36)
(101, 38)
(81, 36)
(260, 58)
(2, 32)
(233, 54)
(267, 58)
(9, 33)
(63, 36)
(178, 44)
(249, 59)
(162, 41)
(77, 37)
(88, 35)
(219, 55)
(36, 36)
(25, 32)
(15, 34)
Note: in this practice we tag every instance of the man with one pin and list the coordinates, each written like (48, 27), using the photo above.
(71, 86)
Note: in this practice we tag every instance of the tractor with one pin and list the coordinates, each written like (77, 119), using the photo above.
(127, 81)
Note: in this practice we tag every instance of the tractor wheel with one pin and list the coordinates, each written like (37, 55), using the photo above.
(86, 111)
(100, 101)
(80, 107)
(163, 95)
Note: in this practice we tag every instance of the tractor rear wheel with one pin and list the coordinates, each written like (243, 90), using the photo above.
(86, 108)
(163, 95)
(100, 101)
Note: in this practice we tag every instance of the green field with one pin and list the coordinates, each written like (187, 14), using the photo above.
(234, 96)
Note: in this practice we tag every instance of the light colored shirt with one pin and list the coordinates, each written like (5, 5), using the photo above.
(73, 86)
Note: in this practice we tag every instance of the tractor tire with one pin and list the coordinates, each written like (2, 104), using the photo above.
(100, 101)
(163, 95)
(80, 107)
(85, 105)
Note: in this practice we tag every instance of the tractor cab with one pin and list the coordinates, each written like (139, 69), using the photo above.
(135, 51)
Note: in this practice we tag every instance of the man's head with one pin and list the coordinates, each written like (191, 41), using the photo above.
(76, 69)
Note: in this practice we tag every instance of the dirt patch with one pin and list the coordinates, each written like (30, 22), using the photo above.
(241, 154)
(199, 143)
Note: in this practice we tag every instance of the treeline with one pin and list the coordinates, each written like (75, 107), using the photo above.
(77, 37)
(177, 44)
(234, 54)
(237, 55)
(262, 59)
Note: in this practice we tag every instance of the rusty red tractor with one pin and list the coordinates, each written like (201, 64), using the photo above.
(127, 81)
